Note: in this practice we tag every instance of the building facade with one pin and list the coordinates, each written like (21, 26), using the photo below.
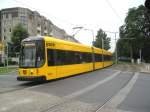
(35, 24)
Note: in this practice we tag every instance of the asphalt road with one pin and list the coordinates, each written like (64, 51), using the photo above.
(106, 90)
(8, 83)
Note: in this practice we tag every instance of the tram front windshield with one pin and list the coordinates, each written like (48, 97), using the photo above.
(31, 55)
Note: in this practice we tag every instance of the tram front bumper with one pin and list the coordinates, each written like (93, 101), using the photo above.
(31, 78)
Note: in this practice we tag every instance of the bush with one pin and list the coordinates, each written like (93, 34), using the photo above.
(12, 63)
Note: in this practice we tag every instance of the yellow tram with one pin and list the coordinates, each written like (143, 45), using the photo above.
(46, 58)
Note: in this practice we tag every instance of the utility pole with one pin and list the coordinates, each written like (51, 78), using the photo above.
(7, 54)
(116, 53)
(4, 53)
(116, 50)
(140, 55)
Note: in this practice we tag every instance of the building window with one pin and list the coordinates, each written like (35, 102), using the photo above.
(30, 17)
(38, 25)
(9, 15)
(38, 32)
(10, 30)
(4, 37)
(15, 14)
(4, 30)
(6, 15)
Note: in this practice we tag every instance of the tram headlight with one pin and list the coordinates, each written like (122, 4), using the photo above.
(31, 72)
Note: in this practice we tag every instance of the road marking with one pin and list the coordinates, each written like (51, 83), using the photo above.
(123, 111)
(127, 72)
(110, 69)
(111, 106)
(91, 87)
(80, 92)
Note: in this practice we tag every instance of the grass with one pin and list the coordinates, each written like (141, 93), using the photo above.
(7, 70)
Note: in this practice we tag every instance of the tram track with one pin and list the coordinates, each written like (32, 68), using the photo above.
(111, 104)
(67, 100)
(70, 98)
(111, 97)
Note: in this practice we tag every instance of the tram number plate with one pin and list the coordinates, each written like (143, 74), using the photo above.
(50, 44)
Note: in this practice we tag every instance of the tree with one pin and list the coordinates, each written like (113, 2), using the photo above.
(147, 4)
(106, 40)
(18, 34)
(135, 33)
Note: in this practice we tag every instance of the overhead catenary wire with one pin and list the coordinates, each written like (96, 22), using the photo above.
(113, 9)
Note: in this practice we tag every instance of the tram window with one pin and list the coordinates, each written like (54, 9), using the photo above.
(70, 57)
(89, 57)
(50, 57)
(61, 57)
(84, 58)
(98, 57)
(40, 53)
(107, 58)
(78, 57)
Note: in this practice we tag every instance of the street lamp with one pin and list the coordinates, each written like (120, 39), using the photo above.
(80, 28)
(77, 31)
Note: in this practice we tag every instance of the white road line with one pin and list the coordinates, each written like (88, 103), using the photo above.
(111, 106)
(122, 111)
(91, 87)
(110, 69)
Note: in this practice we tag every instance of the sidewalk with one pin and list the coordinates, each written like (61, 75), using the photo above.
(145, 67)
(11, 66)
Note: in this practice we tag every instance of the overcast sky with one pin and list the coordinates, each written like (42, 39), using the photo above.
(90, 14)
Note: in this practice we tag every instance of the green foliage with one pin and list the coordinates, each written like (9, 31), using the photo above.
(6, 70)
(135, 33)
(106, 40)
(18, 34)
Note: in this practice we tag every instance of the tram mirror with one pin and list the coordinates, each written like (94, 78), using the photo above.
(38, 59)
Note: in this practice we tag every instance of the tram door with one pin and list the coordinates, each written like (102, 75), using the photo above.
(93, 58)
(51, 70)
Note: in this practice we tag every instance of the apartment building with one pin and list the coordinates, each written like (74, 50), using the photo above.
(35, 24)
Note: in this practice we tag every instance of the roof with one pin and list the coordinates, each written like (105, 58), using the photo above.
(97, 50)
